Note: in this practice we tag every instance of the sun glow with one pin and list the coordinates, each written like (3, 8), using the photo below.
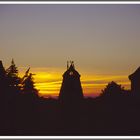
(48, 81)
(93, 84)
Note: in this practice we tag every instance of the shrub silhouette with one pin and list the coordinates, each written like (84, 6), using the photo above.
(112, 90)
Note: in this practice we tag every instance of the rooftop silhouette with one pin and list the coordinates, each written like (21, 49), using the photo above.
(2, 70)
(135, 81)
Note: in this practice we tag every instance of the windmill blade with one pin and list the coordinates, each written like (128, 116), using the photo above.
(26, 73)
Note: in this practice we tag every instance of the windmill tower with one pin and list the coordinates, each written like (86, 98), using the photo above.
(71, 89)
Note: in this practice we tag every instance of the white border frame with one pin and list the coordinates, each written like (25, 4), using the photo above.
(69, 2)
(70, 137)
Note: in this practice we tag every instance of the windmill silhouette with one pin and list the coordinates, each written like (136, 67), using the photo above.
(71, 89)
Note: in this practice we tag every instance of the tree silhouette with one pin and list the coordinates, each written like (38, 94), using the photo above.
(28, 84)
(12, 69)
(13, 80)
(115, 112)
(112, 89)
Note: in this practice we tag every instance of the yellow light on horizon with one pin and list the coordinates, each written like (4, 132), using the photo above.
(48, 82)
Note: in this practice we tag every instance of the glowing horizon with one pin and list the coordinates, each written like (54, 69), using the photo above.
(102, 40)
(48, 81)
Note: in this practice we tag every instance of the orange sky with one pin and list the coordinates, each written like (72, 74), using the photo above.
(102, 40)
(48, 81)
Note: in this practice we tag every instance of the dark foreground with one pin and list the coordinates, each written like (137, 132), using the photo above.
(32, 116)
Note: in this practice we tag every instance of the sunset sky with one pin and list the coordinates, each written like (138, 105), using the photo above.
(102, 40)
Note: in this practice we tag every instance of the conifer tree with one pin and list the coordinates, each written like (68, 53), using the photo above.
(28, 84)
(13, 78)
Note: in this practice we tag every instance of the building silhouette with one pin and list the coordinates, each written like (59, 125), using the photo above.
(2, 70)
(3, 83)
(135, 81)
(2, 77)
(71, 89)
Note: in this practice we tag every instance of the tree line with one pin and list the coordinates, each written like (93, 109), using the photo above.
(114, 112)
(12, 85)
